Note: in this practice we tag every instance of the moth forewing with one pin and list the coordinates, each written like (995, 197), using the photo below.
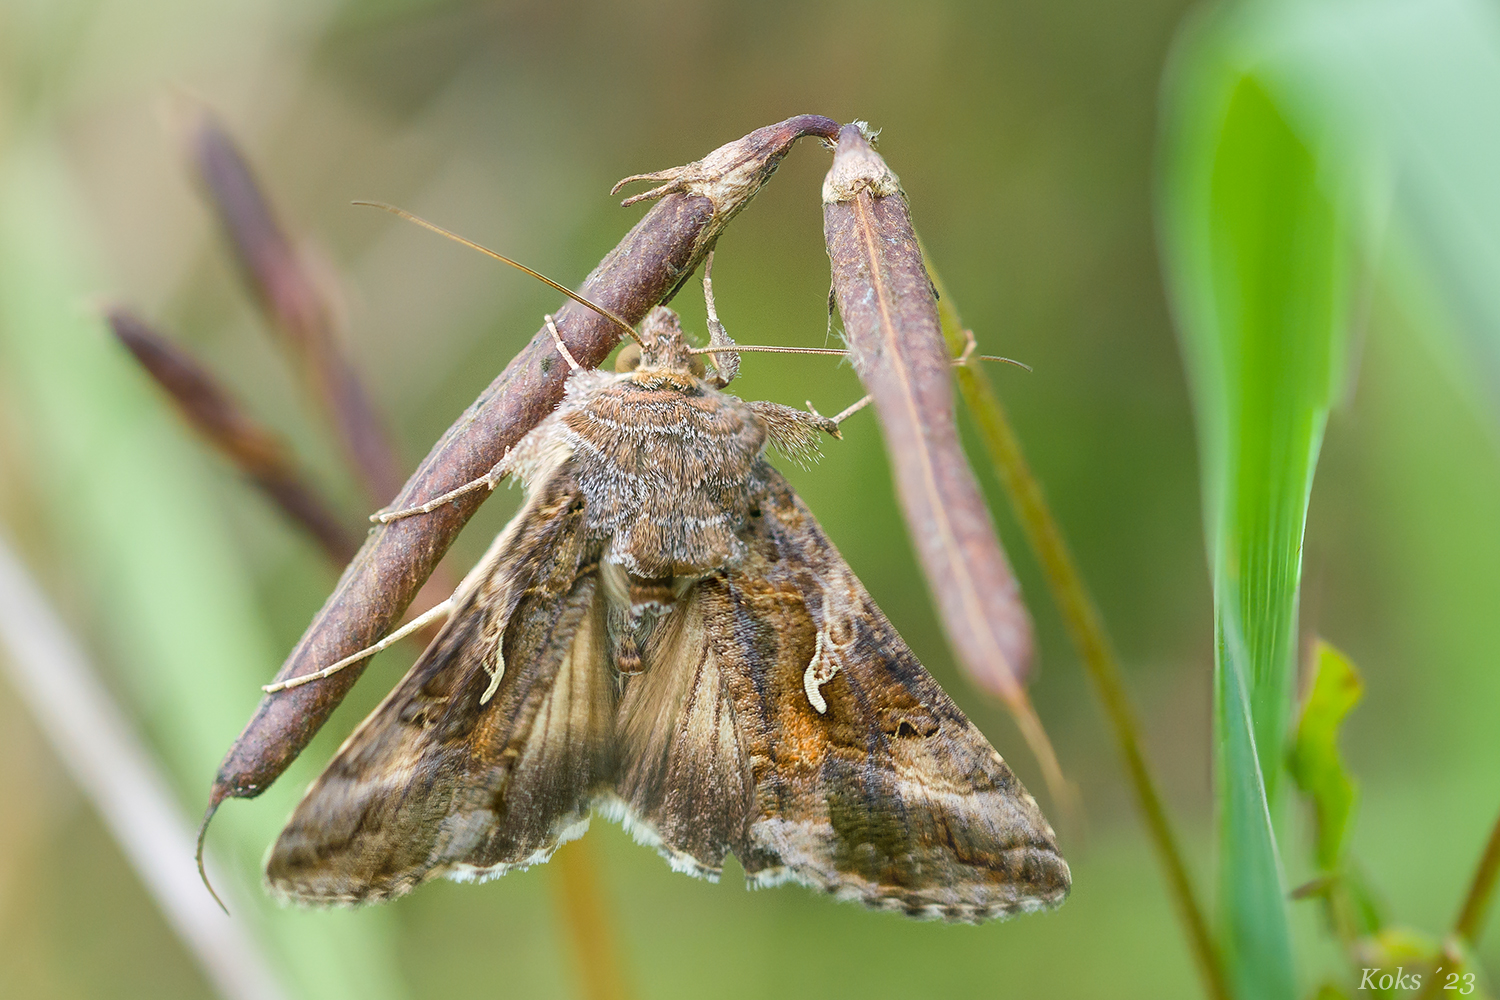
(664, 632)
(889, 795)
(438, 780)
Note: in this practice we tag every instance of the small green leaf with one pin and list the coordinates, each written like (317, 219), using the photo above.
(1315, 763)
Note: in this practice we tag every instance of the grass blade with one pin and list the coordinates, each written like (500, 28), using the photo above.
(1261, 278)
(1387, 98)
(107, 759)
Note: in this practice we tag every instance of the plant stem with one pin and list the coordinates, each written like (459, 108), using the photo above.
(586, 914)
(1471, 918)
(54, 678)
(1086, 627)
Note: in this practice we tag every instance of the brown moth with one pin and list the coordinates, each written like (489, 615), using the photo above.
(664, 634)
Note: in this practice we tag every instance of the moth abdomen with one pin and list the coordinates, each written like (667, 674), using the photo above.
(651, 596)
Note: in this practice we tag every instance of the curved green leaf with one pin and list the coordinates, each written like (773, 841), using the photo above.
(1261, 277)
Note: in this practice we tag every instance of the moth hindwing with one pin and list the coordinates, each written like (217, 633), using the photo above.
(663, 633)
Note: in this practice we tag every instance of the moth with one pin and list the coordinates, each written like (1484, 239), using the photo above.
(663, 634)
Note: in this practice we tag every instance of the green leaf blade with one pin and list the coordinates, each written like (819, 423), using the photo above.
(1261, 277)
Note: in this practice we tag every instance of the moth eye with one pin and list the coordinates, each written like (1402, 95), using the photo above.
(629, 358)
(695, 364)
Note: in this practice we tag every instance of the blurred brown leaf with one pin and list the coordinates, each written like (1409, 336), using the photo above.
(210, 410)
(284, 285)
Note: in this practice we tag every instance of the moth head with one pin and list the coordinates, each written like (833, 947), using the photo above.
(663, 347)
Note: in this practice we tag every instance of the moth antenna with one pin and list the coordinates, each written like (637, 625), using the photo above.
(410, 217)
(835, 352)
(1007, 361)
(726, 348)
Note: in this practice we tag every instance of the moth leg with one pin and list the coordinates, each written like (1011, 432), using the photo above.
(726, 365)
(563, 348)
(421, 621)
(488, 481)
(970, 346)
(793, 432)
(843, 414)
(832, 304)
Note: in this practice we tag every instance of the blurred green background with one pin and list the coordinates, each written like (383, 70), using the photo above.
(1026, 137)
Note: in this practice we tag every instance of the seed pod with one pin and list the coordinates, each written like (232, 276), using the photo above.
(890, 317)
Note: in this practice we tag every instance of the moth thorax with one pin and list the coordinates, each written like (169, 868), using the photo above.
(665, 345)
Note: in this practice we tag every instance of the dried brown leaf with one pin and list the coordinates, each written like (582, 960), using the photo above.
(889, 309)
(891, 320)
(210, 410)
(294, 301)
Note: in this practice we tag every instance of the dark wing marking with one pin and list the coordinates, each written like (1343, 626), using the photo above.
(889, 795)
(439, 781)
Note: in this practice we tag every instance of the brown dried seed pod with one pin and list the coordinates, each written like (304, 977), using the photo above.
(890, 316)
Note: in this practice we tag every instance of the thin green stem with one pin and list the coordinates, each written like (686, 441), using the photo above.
(1481, 891)
(1086, 627)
